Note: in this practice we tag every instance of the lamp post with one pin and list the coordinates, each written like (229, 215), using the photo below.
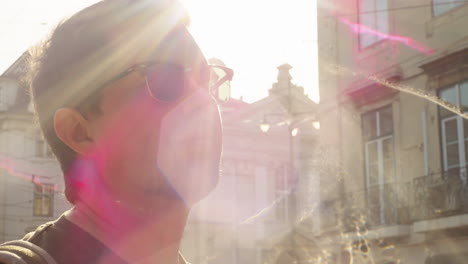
(283, 92)
(265, 127)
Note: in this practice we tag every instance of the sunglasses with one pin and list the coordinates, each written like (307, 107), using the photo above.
(167, 82)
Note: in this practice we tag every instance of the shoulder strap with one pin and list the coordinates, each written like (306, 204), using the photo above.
(17, 251)
(18, 255)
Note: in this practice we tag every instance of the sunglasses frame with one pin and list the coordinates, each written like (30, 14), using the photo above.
(213, 89)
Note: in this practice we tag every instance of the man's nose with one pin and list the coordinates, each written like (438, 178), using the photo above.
(200, 100)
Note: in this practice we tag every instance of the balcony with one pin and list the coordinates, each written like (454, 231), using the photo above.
(428, 203)
(372, 208)
(439, 195)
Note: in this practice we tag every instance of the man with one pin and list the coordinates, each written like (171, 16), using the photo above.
(124, 98)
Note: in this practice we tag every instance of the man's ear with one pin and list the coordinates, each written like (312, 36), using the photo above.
(73, 129)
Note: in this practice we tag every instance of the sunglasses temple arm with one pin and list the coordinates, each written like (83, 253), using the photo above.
(221, 81)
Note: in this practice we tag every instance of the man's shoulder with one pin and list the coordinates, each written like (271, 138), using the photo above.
(39, 231)
(67, 243)
(22, 251)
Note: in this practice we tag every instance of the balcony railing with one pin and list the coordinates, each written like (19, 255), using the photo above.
(383, 205)
(423, 198)
(438, 195)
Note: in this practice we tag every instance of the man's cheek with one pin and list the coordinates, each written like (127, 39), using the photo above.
(175, 128)
(188, 154)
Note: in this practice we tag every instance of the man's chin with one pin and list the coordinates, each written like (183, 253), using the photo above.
(198, 190)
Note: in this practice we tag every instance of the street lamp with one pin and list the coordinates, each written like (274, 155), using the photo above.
(265, 125)
(292, 120)
(294, 131)
(284, 92)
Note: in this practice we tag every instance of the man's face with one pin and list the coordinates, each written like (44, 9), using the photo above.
(151, 153)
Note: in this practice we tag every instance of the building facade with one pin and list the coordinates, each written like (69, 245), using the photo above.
(31, 182)
(393, 84)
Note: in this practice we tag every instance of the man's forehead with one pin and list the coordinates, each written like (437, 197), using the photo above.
(178, 47)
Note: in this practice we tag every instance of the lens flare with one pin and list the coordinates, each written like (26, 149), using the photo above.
(409, 42)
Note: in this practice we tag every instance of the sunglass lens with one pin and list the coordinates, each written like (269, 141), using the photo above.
(224, 91)
(222, 85)
(166, 83)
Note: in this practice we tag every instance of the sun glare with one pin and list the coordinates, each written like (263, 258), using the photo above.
(23, 23)
(251, 36)
(254, 37)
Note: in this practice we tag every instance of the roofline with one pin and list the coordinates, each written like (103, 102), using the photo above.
(15, 64)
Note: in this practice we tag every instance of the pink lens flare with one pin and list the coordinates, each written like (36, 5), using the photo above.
(409, 42)
(10, 166)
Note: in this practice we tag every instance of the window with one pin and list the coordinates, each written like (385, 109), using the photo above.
(379, 156)
(3, 103)
(42, 149)
(378, 137)
(373, 15)
(454, 128)
(8, 94)
(328, 214)
(441, 7)
(283, 185)
(43, 199)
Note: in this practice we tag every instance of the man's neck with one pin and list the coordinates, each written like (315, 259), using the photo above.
(152, 239)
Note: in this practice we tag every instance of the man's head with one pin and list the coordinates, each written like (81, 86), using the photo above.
(97, 93)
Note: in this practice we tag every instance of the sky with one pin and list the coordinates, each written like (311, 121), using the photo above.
(253, 37)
